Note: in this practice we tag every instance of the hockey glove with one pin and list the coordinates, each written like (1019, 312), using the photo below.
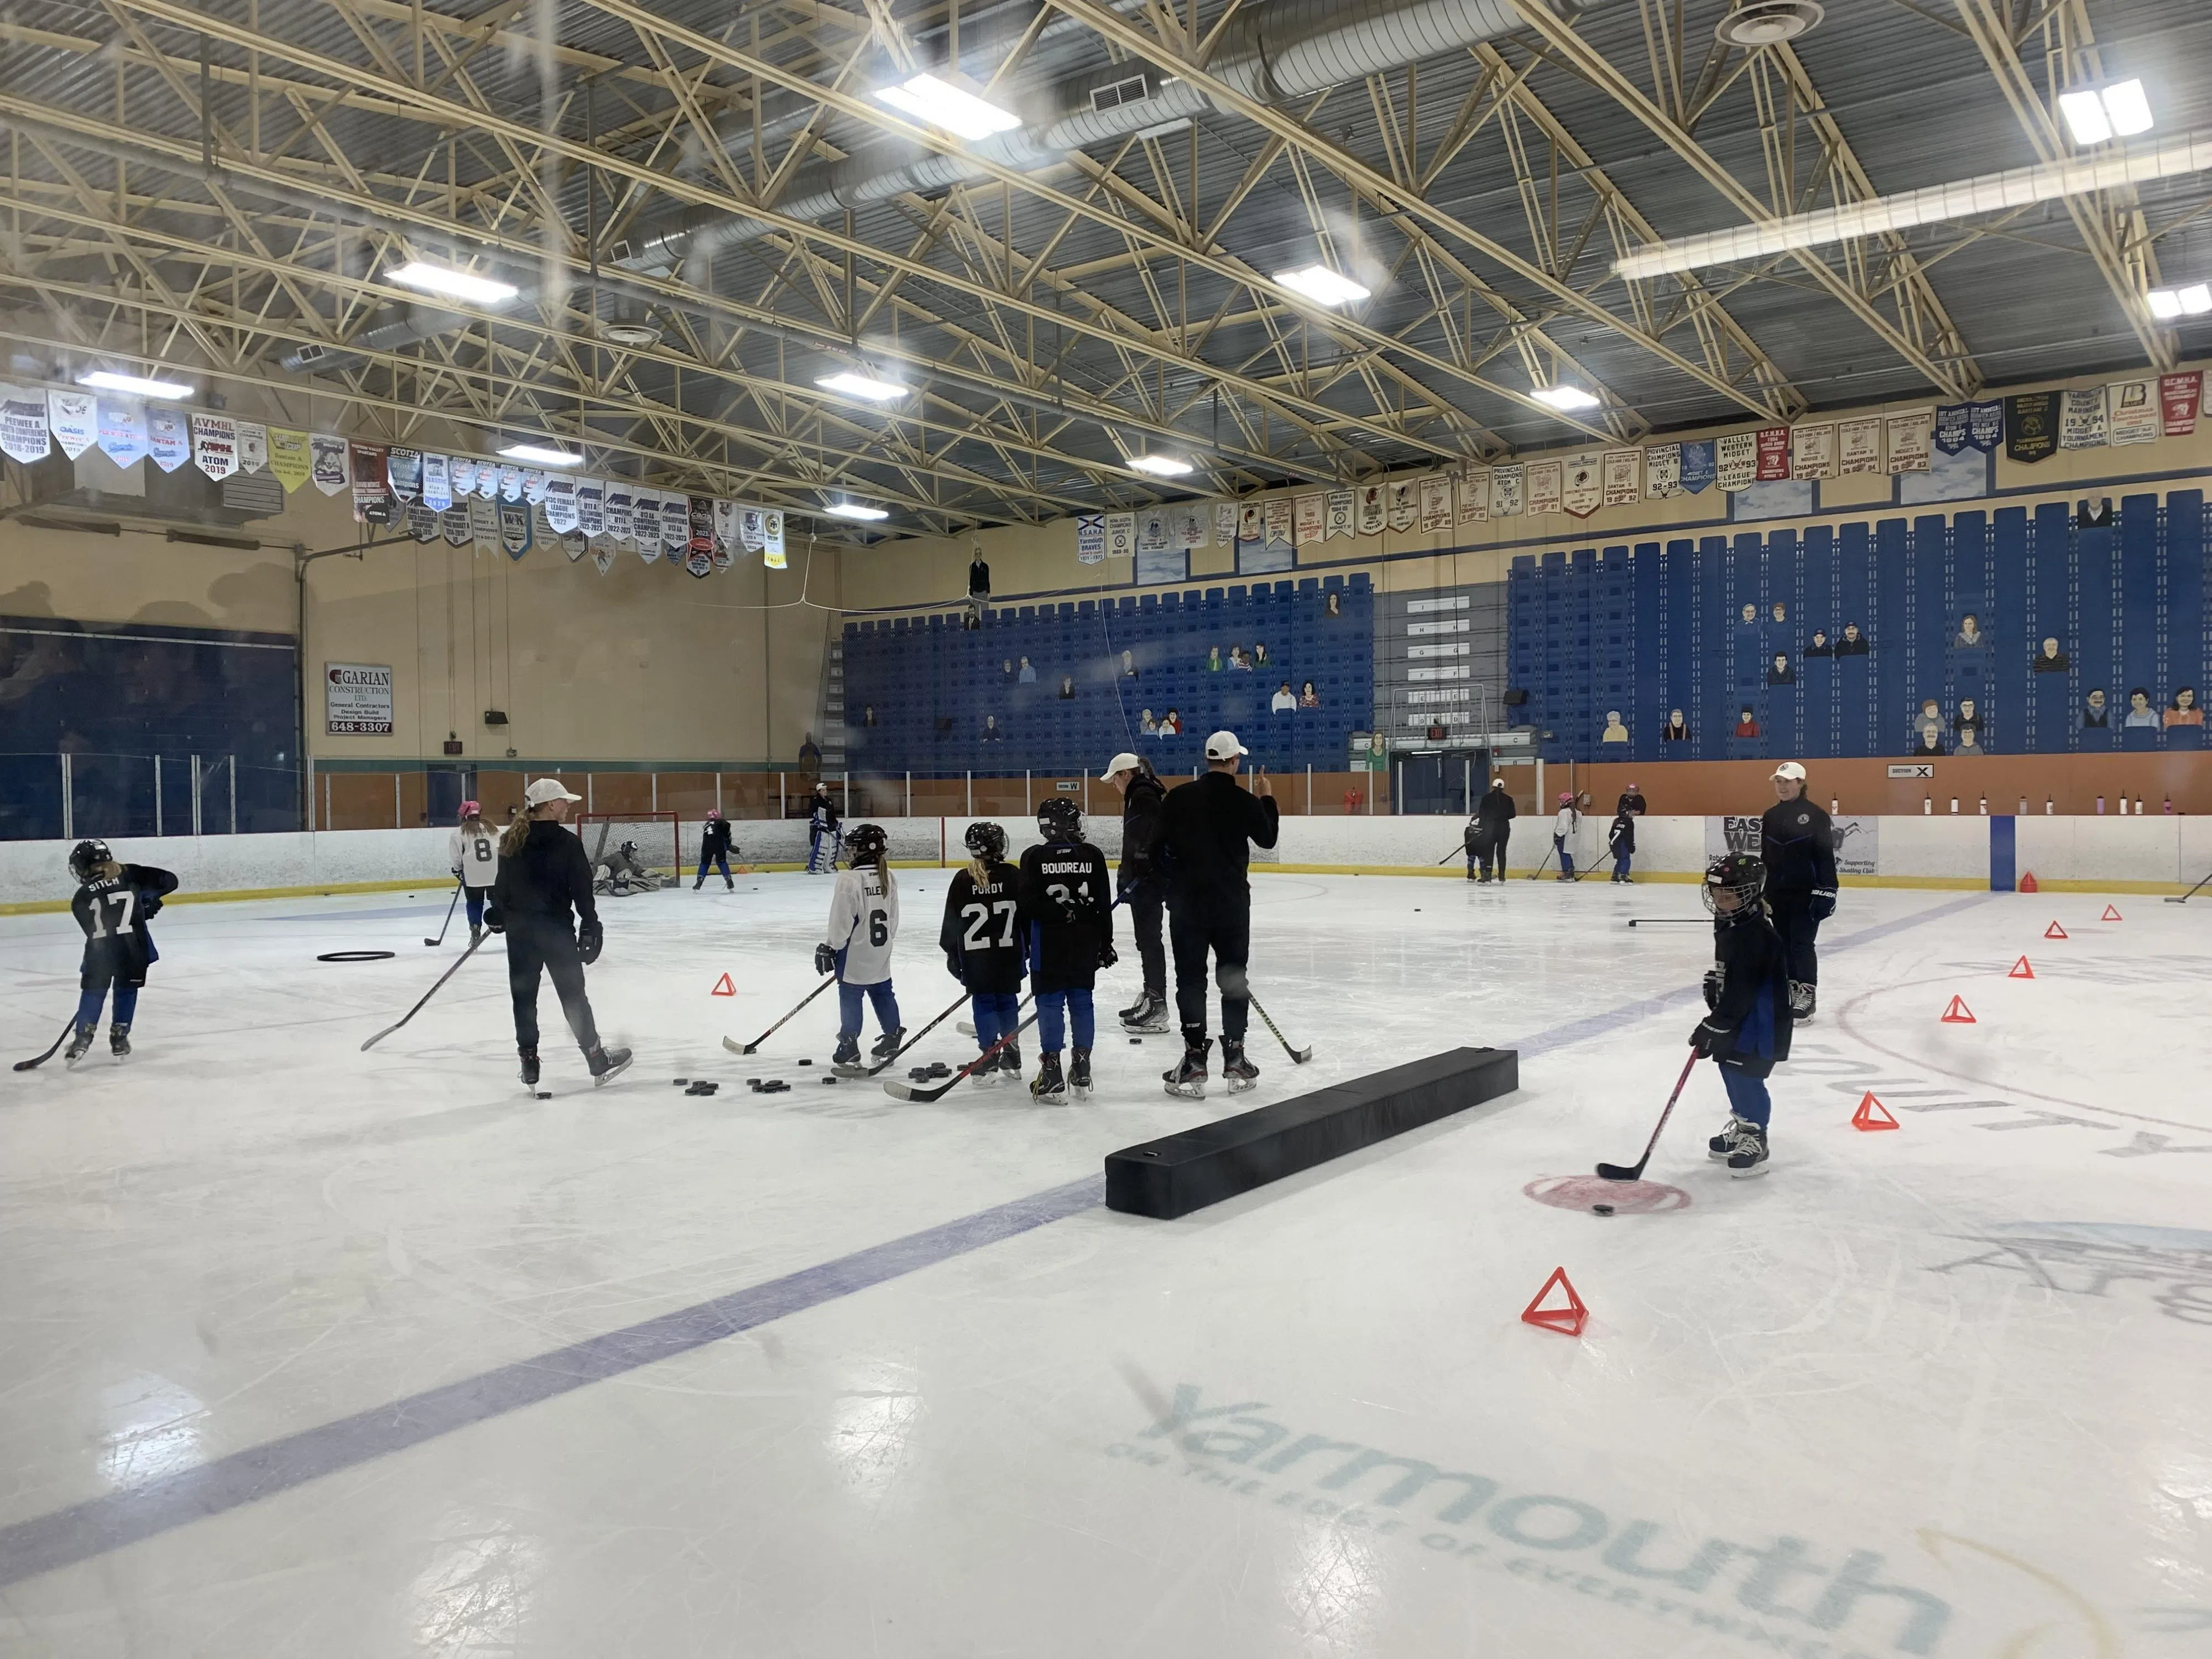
(1713, 977)
(952, 963)
(1108, 956)
(825, 959)
(590, 938)
(456, 872)
(1824, 903)
(1712, 1038)
(494, 920)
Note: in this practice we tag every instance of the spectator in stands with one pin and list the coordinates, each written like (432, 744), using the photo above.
(1007, 667)
(1238, 660)
(991, 732)
(1146, 724)
(1747, 723)
(1028, 676)
(1966, 725)
(1854, 643)
(810, 756)
(1213, 660)
(1674, 731)
(1283, 699)
(1929, 727)
(2183, 710)
(1171, 724)
(1260, 657)
(2051, 660)
(979, 581)
(1307, 697)
(1820, 647)
(1129, 666)
(1334, 604)
(1067, 688)
(868, 714)
(1781, 611)
(2139, 709)
(2094, 714)
(1780, 672)
(1615, 731)
(1750, 613)
(1970, 632)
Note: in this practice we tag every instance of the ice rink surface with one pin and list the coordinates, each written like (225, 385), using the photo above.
(318, 1353)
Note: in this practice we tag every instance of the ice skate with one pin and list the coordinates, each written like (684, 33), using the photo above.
(529, 1067)
(1049, 1088)
(1241, 1073)
(118, 1041)
(1722, 1144)
(1078, 1074)
(1148, 1014)
(1802, 999)
(475, 936)
(1187, 1078)
(985, 1074)
(845, 1060)
(1747, 1155)
(888, 1044)
(605, 1062)
(79, 1045)
(1009, 1062)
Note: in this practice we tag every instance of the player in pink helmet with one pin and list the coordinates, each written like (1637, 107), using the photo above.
(473, 852)
(715, 849)
(1563, 825)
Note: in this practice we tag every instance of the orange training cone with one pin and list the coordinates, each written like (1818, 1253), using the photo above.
(2020, 970)
(2111, 914)
(2029, 884)
(723, 988)
(1959, 1014)
(1570, 1318)
(1872, 1114)
(2054, 931)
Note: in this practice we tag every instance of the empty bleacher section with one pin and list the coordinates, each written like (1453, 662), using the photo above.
(1924, 636)
(1060, 687)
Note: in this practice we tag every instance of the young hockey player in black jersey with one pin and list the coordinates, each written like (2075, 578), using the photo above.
(715, 849)
(113, 904)
(1067, 916)
(1797, 843)
(1747, 988)
(983, 946)
(1620, 839)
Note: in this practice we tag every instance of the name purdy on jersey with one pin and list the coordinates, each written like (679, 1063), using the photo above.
(982, 937)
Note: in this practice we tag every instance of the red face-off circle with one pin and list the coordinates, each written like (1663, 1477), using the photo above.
(1626, 1197)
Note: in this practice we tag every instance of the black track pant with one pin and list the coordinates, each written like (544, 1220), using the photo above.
(1793, 920)
(1491, 853)
(1144, 905)
(536, 941)
(1228, 935)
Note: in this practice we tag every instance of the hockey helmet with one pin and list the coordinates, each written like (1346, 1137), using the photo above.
(985, 840)
(714, 815)
(867, 841)
(1566, 797)
(87, 858)
(471, 809)
(1743, 876)
(1060, 819)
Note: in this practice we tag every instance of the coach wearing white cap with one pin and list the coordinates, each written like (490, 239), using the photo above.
(1797, 843)
(1210, 823)
(1141, 884)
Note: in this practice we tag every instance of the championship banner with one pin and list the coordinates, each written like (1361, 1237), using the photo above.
(644, 523)
(1986, 425)
(575, 543)
(1773, 454)
(123, 430)
(253, 446)
(752, 529)
(2178, 398)
(1858, 444)
(602, 555)
(365, 464)
(675, 524)
(422, 523)
(1153, 532)
(1090, 538)
(328, 463)
(215, 445)
(726, 519)
(1121, 535)
(1736, 464)
(510, 483)
(1404, 514)
(1278, 513)
(1436, 501)
(402, 471)
(288, 457)
(1623, 488)
(533, 484)
(461, 470)
(699, 564)
(2133, 413)
(454, 522)
(772, 538)
(2082, 419)
(1312, 515)
(1224, 523)
(484, 525)
(437, 482)
(1373, 513)
(514, 528)
(2031, 427)
(73, 419)
(1509, 491)
(699, 520)
(617, 509)
(1186, 525)
(489, 476)
(1909, 440)
(561, 505)
(1339, 520)
(1700, 466)
(1251, 527)
(1474, 495)
(1813, 451)
(1951, 427)
(1581, 488)
(1545, 483)
(168, 436)
(1663, 471)
(23, 434)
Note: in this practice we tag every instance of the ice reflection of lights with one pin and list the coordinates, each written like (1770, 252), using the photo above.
(473, 1597)
(872, 1426)
(1333, 1586)
(151, 1428)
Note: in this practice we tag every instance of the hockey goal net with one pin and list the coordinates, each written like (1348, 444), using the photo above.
(659, 838)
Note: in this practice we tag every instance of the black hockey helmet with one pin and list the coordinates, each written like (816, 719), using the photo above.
(1743, 874)
(866, 843)
(985, 840)
(1060, 819)
(85, 858)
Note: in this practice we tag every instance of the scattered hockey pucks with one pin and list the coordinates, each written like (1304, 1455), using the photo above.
(1587, 1191)
(355, 955)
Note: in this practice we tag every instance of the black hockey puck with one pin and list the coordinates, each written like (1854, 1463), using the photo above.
(806, 1062)
(1601, 1209)
(831, 1077)
(680, 1082)
(355, 955)
(1136, 1042)
(545, 1094)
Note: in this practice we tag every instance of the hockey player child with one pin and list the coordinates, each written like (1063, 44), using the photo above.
(1563, 825)
(473, 851)
(113, 904)
(1747, 1034)
(1621, 841)
(1797, 841)
(983, 946)
(864, 920)
(621, 874)
(1067, 918)
(715, 849)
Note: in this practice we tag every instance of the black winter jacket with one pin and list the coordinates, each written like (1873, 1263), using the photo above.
(1207, 824)
(548, 877)
(1495, 812)
(1797, 840)
(1143, 824)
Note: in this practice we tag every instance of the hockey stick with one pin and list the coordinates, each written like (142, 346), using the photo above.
(2192, 893)
(1635, 1171)
(900, 1089)
(26, 1065)
(1665, 921)
(1539, 870)
(434, 943)
(1299, 1056)
(427, 995)
(747, 1048)
(960, 1003)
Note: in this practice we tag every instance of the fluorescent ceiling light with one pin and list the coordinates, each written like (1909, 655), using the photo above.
(1987, 192)
(857, 510)
(108, 381)
(2165, 303)
(2095, 114)
(1160, 466)
(1322, 285)
(1563, 396)
(2085, 116)
(861, 385)
(456, 284)
(2196, 298)
(944, 103)
(2127, 108)
(540, 455)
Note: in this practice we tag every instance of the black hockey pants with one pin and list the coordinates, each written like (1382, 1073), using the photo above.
(1228, 935)
(1793, 920)
(536, 941)
(1144, 905)
(1492, 853)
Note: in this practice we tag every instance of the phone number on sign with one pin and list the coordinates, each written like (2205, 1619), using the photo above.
(360, 728)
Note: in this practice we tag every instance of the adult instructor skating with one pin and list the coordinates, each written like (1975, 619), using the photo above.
(1207, 825)
(543, 875)
(1797, 843)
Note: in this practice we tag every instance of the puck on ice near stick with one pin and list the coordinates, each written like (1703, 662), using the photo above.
(1603, 1209)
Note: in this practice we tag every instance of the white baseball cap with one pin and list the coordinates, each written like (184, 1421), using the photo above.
(547, 789)
(1222, 745)
(1791, 770)
(1124, 762)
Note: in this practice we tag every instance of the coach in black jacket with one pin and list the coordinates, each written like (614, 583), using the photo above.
(543, 875)
(1141, 883)
(1797, 843)
(1211, 824)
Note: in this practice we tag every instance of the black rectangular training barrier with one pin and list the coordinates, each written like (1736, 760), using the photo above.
(1178, 1172)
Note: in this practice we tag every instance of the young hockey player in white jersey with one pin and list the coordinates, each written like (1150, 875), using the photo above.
(113, 904)
(984, 949)
(473, 851)
(863, 919)
(1564, 824)
(1067, 917)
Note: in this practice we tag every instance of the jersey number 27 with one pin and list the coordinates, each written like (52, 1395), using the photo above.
(978, 917)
